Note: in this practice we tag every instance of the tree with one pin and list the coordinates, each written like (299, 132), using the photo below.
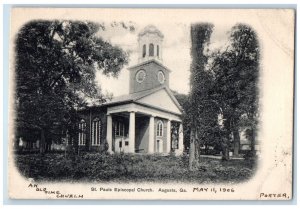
(55, 74)
(202, 111)
(236, 76)
(183, 100)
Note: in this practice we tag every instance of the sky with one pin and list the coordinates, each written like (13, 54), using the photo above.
(175, 52)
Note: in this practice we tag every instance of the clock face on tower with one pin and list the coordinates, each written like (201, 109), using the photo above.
(161, 77)
(140, 76)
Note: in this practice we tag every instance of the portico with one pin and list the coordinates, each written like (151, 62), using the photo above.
(141, 133)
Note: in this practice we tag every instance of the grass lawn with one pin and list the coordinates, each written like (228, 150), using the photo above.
(130, 168)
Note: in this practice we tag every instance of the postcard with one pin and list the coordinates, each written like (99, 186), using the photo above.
(151, 104)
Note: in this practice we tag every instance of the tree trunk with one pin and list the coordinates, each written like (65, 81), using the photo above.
(252, 141)
(194, 153)
(75, 145)
(197, 146)
(225, 149)
(43, 140)
(226, 154)
(192, 150)
(236, 142)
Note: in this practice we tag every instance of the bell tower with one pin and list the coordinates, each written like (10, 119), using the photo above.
(149, 73)
(150, 44)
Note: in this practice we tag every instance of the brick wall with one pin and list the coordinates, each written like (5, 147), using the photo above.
(151, 80)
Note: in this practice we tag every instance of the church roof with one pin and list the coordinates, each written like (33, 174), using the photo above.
(138, 95)
(149, 61)
(151, 29)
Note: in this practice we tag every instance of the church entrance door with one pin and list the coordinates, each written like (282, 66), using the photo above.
(159, 146)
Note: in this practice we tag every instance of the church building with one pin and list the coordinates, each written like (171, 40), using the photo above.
(148, 119)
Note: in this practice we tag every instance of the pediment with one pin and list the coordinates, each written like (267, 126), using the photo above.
(161, 99)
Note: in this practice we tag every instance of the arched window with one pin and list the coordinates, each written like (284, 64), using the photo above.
(159, 128)
(96, 132)
(157, 51)
(151, 50)
(144, 50)
(82, 132)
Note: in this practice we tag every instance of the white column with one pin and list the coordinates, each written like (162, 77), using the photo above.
(168, 136)
(132, 132)
(109, 133)
(151, 135)
(180, 141)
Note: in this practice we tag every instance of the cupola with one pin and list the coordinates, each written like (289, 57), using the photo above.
(150, 44)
